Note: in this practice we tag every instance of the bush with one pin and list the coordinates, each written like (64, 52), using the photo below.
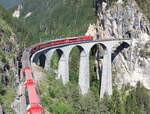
(57, 18)
(62, 108)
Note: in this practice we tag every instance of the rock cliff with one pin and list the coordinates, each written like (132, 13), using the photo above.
(121, 20)
(8, 52)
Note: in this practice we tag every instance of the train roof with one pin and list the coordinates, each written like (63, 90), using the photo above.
(33, 98)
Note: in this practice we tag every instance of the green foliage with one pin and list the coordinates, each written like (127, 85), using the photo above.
(89, 104)
(112, 105)
(53, 19)
(66, 99)
(58, 18)
(116, 102)
(105, 104)
(22, 31)
(2, 91)
(5, 27)
(64, 18)
(138, 101)
(2, 56)
(144, 5)
(62, 108)
(94, 82)
(111, 3)
(54, 61)
(74, 60)
(6, 99)
(131, 104)
(6, 32)
(7, 94)
(144, 53)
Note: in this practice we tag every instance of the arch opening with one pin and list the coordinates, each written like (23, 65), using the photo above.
(55, 60)
(42, 59)
(121, 47)
(74, 63)
(96, 64)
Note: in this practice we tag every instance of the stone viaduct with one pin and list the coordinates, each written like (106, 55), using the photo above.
(107, 48)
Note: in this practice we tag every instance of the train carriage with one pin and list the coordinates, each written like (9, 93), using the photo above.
(32, 97)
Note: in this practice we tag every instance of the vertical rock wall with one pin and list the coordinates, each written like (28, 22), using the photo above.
(121, 20)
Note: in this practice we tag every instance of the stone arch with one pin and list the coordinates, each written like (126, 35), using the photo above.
(121, 47)
(83, 68)
(75, 55)
(80, 48)
(101, 48)
(35, 58)
(62, 65)
(96, 53)
(106, 83)
(55, 57)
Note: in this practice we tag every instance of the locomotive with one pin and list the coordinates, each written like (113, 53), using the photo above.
(33, 104)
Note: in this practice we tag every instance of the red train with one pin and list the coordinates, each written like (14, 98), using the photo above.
(59, 42)
(33, 104)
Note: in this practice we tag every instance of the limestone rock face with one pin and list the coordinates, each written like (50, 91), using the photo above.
(8, 53)
(124, 20)
(91, 30)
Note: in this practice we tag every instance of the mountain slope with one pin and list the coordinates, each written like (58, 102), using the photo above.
(57, 18)
(124, 19)
(121, 19)
(8, 52)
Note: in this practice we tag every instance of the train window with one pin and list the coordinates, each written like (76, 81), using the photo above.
(26, 96)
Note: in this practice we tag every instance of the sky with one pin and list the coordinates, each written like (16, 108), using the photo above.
(8, 4)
